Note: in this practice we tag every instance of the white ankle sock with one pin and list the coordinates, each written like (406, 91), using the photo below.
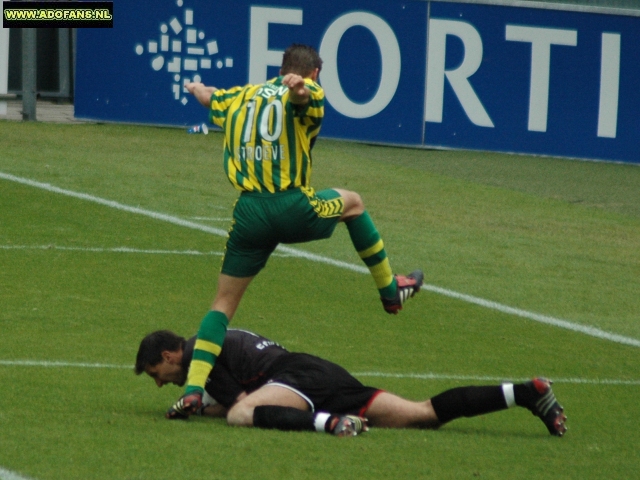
(509, 396)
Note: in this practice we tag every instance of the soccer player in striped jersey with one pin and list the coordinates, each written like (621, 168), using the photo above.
(269, 130)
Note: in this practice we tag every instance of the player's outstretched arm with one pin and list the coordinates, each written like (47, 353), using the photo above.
(201, 92)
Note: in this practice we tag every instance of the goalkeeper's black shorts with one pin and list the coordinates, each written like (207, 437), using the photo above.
(327, 387)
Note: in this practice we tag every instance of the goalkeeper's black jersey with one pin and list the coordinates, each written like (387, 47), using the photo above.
(241, 367)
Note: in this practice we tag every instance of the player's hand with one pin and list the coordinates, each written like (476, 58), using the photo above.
(186, 405)
(296, 84)
(191, 86)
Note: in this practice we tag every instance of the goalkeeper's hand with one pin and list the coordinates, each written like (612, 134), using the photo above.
(186, 405)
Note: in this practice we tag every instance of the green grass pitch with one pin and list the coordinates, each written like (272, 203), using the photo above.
(81, 282)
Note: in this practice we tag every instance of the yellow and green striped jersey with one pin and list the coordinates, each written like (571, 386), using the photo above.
(268, 140)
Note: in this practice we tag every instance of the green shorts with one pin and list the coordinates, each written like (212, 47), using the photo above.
(263, 220)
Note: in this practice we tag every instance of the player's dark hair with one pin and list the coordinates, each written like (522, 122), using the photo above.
(152, 346)
(300, 59)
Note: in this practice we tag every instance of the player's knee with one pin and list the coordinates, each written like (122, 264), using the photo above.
(353, 205)
(240, 416)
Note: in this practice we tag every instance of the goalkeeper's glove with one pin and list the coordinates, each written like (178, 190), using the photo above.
(186, 405)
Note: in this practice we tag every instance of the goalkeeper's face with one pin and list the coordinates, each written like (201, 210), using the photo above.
(167, 371)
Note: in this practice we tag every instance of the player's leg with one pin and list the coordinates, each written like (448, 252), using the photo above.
(393, 289)
(245, 255)
(213, 329)
(229, 293)
(276, 406)
(535, 395)
(391, 411)
(468, 402)
(242, 413)
(367, 241)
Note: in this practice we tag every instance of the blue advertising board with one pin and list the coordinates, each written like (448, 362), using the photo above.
(373, 53)
(533, 81)
(439, 74)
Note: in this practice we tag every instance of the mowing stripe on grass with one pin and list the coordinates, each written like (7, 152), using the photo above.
(109, 250)
(556, 322)
(9, 475)
(48, 364)
(118, 206)
(119, 250)
(418, 376)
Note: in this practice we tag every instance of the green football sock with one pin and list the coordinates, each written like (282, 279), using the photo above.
(213, 330)
(369, 245)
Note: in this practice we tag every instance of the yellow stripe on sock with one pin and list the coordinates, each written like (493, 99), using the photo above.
(372, 250)
(209, 347)
(198, 373)
(382, 274)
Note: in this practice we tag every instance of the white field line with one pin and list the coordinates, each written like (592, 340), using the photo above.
(556, 322)
(212, 219)
(493, 379)
(418, 376)
(9, 475)
(60, 364)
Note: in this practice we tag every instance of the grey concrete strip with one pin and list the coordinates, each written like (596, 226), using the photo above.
(45, 112)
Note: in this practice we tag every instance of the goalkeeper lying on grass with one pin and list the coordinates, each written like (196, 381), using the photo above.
(258, 383)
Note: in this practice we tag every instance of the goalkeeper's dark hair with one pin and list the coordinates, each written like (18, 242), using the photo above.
(300, 59)
(152, 346)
